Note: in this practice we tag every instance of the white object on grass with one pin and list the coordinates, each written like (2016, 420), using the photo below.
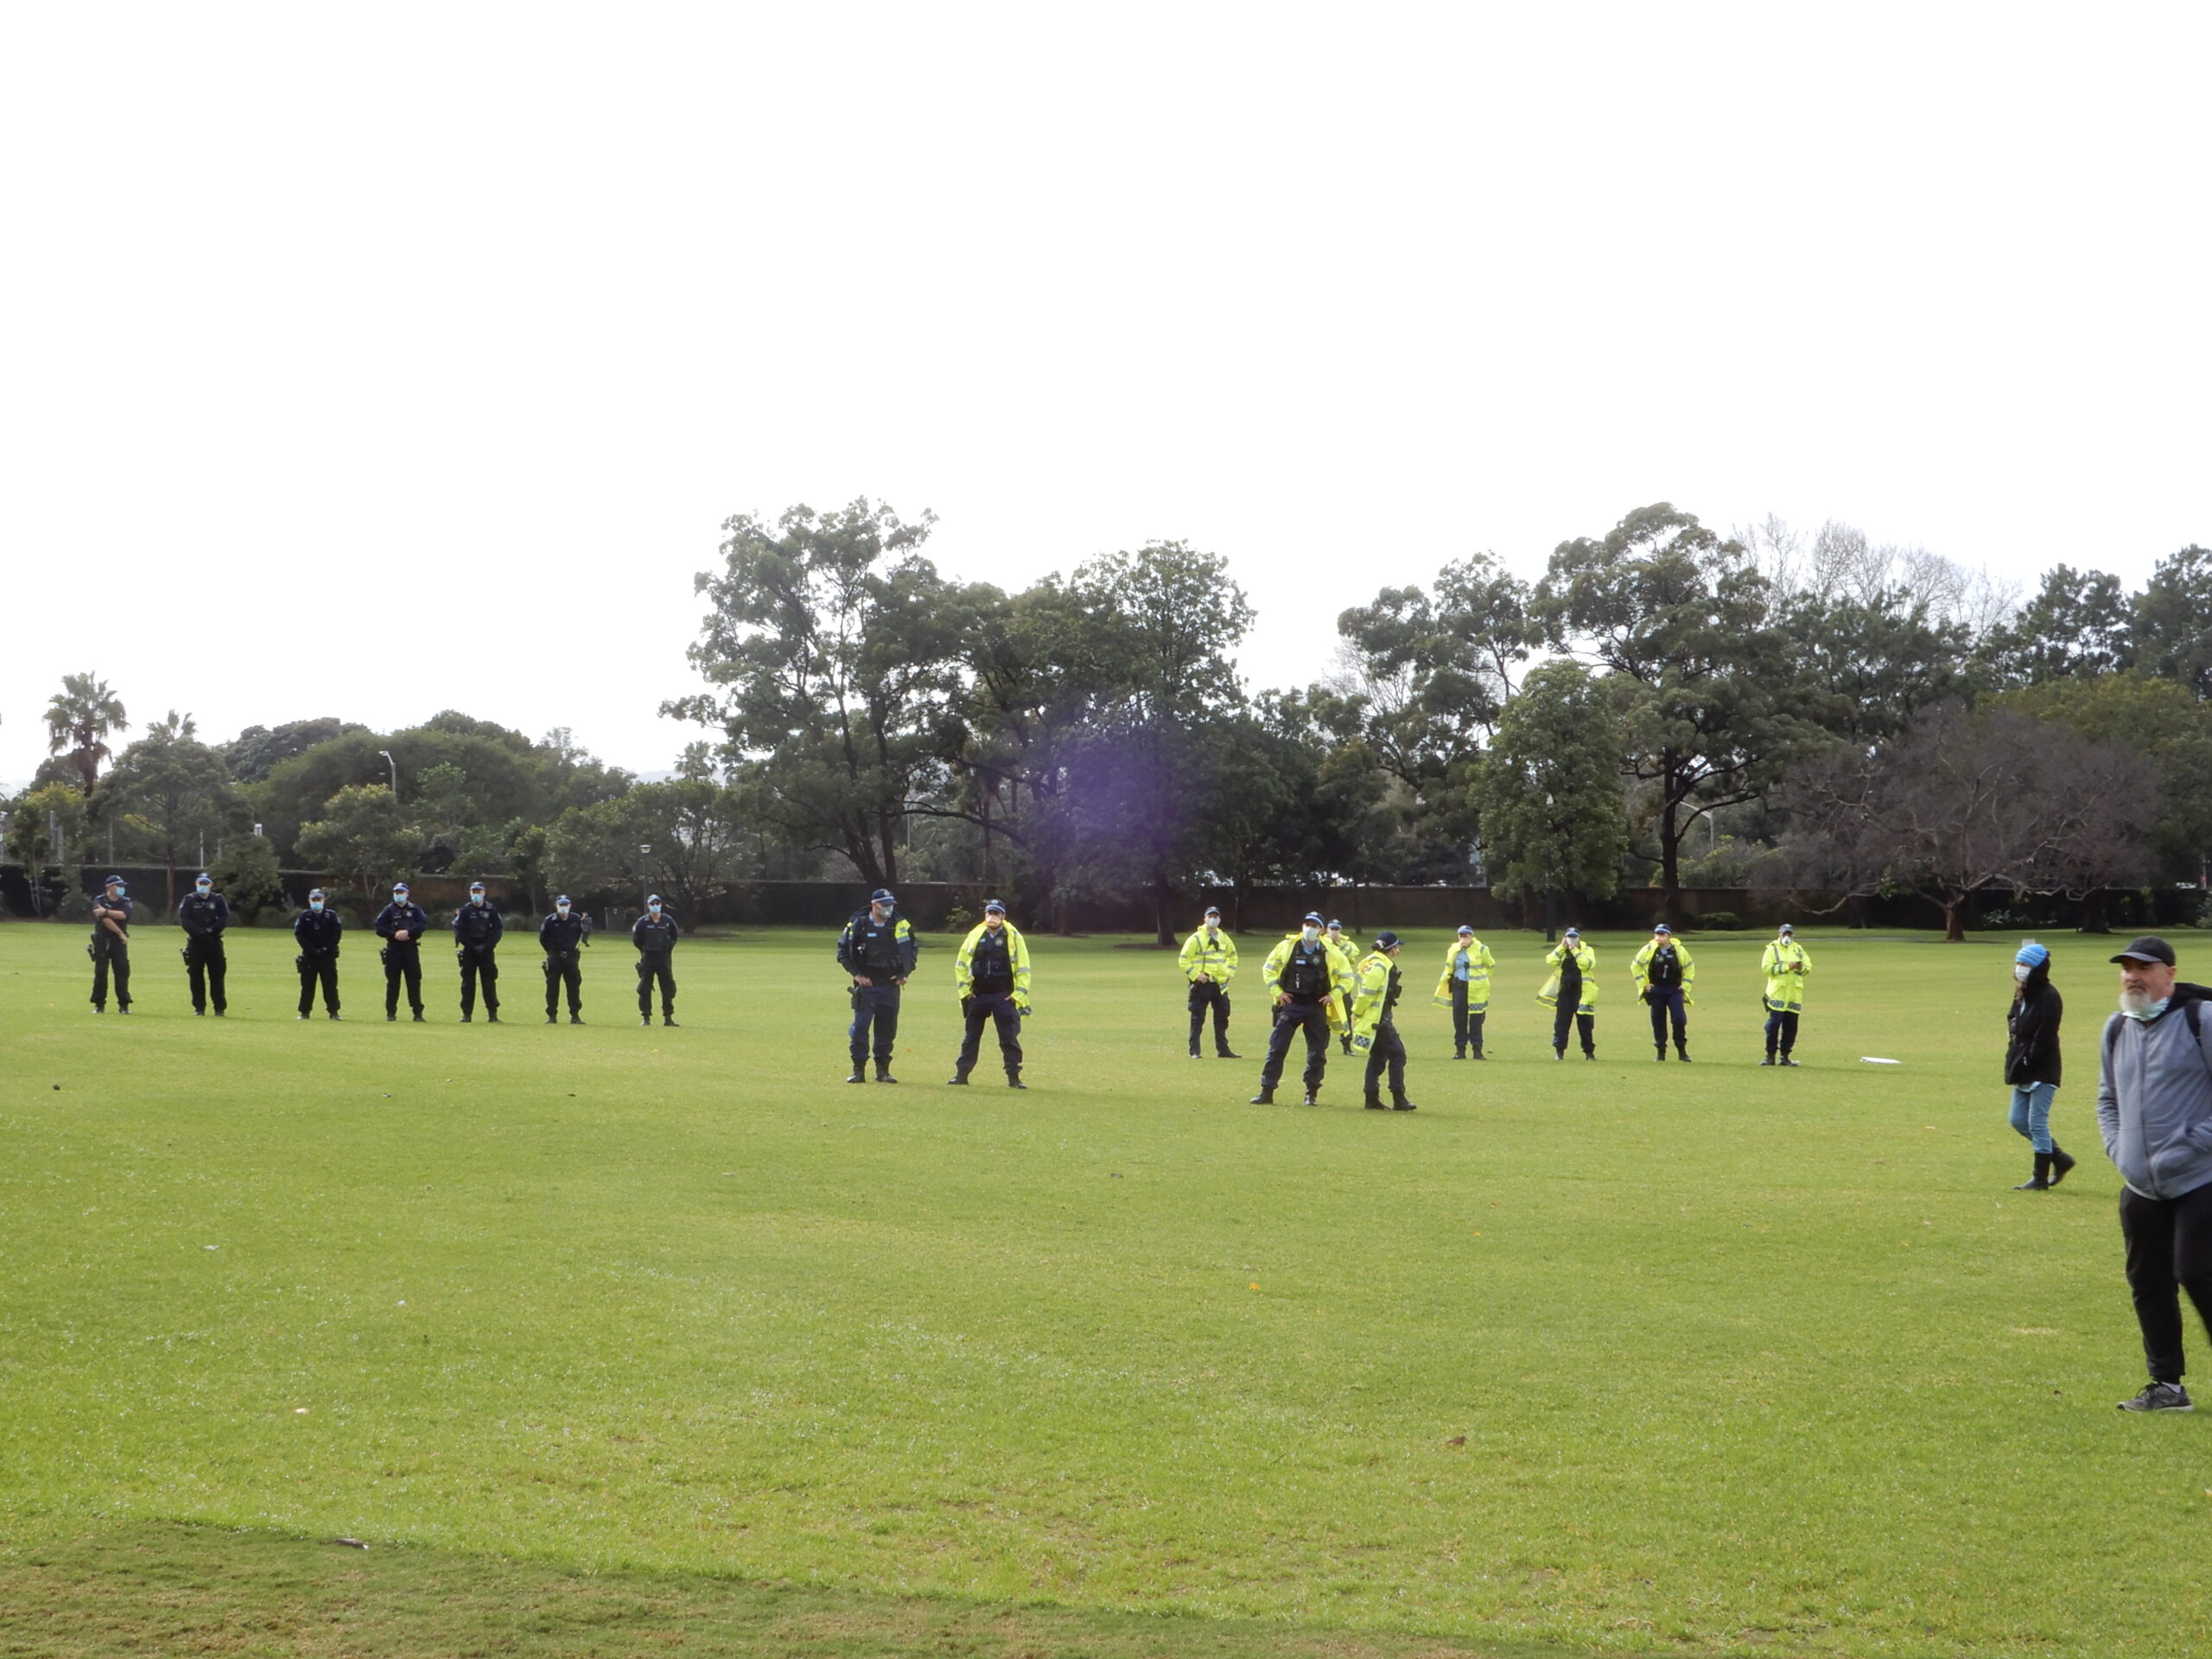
(1874, 1060)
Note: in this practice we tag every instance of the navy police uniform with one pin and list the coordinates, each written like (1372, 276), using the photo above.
(402, 958)
(110, 949)
(878, 955)
(315, 932)
(477, 926)
(562, 937)
(655, 938)
(204, 917)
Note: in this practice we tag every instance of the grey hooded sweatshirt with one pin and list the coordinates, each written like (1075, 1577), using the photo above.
(2154, 1101)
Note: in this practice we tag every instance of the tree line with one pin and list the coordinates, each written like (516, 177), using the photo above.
(1665, 705)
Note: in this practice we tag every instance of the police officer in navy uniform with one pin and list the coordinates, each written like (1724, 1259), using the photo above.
(315, 930)
(877, 948)
(1307, 976)
(562, 934)
(203, 915)
(111, 945)
(654, 934)
(477, 926)
(401, 925)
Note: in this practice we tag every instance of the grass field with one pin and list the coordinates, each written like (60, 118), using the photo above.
(611, 1340)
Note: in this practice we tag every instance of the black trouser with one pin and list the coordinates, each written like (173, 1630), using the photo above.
(649, 970)
(1567, 1015)
(1291, 1018)
(1389, 1050)
(1207, 994)
(990, 1007)
(1466, 1022)
(875, 1007)
(204, 966)
(2169, 1251)
(1666, 1003)
(479, 963)
(111, 956)
(321, 970)
(1782, 1023)
(563, 969)
(402, 960)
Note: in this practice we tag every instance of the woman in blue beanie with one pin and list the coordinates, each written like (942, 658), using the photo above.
(2031, 1065)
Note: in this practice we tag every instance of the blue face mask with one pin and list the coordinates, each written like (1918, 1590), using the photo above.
(315, 903)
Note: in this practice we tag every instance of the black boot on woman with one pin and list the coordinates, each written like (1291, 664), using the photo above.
(2060, 1163)
(2041, 1182)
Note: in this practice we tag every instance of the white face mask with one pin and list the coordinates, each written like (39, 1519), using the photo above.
(1213, 927)
(1310, 934)
(399, 898)
(206, 886)
(475, 897)
(2021, 970)
(563, 909)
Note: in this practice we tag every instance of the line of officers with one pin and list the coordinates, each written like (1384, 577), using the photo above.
(477, 928)
(1315, 988)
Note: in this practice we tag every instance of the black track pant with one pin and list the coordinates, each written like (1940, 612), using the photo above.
(1565, 1017)
(319, 970)
(1667, 1008)
(479, 967)
(563, 970)
(1389, 1051)
(652, 970)
(1291, 1018)
(2169, 1251)
(1466, 1022)
(1204, 996)
(403, 962)
(985, 1009)
(111, 956)
(875, 1018)
(1781, 1023)
(205, 965)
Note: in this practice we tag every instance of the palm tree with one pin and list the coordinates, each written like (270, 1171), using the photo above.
(77, 717)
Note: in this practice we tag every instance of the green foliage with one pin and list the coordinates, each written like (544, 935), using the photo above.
(34, 816)
(365, 835)
(246, 875)
(168, 793)
(2080, 625)
(79, 718)
(2173, 621)
(1550, 790)
(258, 750)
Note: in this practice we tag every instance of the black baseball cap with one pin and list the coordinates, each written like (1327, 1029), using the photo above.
(991, 905)
(1385, 940)
(2149, 948)
(881, 896)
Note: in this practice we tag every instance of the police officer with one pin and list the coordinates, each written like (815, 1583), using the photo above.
(654, 934)
(1572, 993)
(992, 973)
(315, 930)
(878, 950)
(1209, 963)
(1307, 977)
(563, 935)
(203, 915)
(1375, 1026)
(477, 926)
(1785, 965)
(1664, 976)
(1465, 989)
(1336, 935)
(401, 925)
(111, 945)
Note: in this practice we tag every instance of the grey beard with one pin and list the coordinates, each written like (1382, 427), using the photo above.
(2136, 1003)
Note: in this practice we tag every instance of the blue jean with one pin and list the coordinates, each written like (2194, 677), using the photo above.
(2031, 1112)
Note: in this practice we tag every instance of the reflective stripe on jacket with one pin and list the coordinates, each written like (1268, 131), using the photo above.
(1017, 950)
(1587, 960)
(1640, 966)
(1785, 989)
(1337, 970)
(1214, 958)
(1479, 963)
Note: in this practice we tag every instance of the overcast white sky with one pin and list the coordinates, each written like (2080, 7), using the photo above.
(368, 361)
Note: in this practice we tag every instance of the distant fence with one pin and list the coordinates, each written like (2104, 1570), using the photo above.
(932, 905)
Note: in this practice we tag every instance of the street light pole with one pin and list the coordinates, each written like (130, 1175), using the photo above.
(645, 875)
(394, 764)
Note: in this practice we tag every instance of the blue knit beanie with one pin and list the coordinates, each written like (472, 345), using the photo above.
(2032, 954)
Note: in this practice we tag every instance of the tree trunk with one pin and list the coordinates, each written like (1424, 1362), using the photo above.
(1955, 919)
(2093, 912)
(1670, 860)
(1161, 895)
(168, 884)
(1551, 917)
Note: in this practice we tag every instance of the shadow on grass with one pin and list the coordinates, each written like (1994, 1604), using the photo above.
(169, 1589)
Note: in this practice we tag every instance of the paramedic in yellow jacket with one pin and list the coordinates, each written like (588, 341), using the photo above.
(1465, 989)
(1209, 961)
(992, 971)
(1664, 977)
(1785, 965)
(1375, 1026)
(1307, 978)
(1572, 991)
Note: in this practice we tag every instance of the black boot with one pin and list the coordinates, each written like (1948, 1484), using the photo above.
(883, 1072)
(957, 1080)
(2060, 1163)
(1662, 1050)
(2041, 1180)
(1682, 1052)
(1458, 1053)
(1400, 1103)
(1559, 1052)
(1266, 1097)
(1014, 1080)
(860, 1072)
(1373, 1103)
(1591, 1053)
(1312, 1097)
(1786, 1060)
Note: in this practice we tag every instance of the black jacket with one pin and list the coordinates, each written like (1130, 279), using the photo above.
(204, 919)
(560, 937)
(478, 927)
(408, 919)
(317, 932)
(2031, 1055)
(654, 935)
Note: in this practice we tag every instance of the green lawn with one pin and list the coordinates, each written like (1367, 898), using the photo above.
(1709, 1359)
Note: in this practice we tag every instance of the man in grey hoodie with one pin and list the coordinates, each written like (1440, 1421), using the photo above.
(2154, 1107)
